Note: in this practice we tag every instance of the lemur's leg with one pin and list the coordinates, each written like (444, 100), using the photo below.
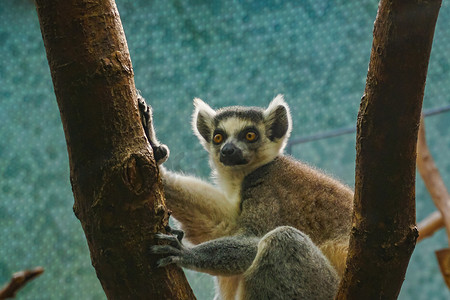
(288, 266)
(224, 256)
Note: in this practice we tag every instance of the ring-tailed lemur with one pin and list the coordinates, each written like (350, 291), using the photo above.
(271, 225)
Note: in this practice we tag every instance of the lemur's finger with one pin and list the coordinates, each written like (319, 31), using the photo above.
(179, 233)
(173, 241)
(164, 249)
(167, 261)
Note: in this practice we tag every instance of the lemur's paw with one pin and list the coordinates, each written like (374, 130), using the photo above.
(161, 153)
(146, 114)
(178, 232)
(171, 253)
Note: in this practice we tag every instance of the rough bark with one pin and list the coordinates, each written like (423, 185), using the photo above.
(384, 233)
(114, 178)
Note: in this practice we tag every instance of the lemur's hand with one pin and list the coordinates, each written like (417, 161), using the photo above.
(174, 251)
(160, 151)
(178, 232)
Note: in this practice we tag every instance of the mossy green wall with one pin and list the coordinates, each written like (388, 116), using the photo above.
(314, 52)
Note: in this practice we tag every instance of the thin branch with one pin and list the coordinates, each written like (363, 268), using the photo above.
(18, 281)
(434, 184)
(443, 257)
(436, 187)
(428, 226)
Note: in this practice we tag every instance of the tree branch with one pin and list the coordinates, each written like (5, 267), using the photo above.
(384, 234)
(18, 281)
(428, 226)
(115, 181)
(433, 180)
(436, 187)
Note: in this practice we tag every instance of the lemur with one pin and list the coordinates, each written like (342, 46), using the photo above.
(270, 227)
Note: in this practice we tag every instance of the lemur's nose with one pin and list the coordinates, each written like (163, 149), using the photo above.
(228, 149)
(231, 155)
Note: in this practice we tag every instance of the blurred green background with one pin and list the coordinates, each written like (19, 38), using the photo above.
(315, 52)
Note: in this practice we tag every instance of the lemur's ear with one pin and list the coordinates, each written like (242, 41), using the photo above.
(202, 120)
(277, 119)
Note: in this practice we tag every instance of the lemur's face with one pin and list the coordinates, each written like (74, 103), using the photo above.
(237, 140)
(240, 137)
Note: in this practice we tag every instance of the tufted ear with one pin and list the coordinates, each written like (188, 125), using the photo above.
(202, 121)
(277, 119)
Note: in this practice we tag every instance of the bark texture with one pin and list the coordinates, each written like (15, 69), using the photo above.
(114, 178)
(384, 233)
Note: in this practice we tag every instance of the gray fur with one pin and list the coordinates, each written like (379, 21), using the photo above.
(289, 266)
(223, 256)
(272, 228)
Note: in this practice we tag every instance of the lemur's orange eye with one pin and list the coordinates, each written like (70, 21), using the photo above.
(251, 136)
(218, 138)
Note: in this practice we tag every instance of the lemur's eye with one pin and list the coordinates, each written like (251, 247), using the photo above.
(251, 136)
(218, 138)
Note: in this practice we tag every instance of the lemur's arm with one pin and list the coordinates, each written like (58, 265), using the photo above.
(199, 206)
(224, 256)
(202, 209)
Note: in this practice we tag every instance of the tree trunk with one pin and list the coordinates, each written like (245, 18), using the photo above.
(115, 180)
(384, 232)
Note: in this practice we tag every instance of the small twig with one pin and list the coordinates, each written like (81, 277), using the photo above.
(436, 187)
(19, 280)
(433, 181)
(428, 226)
